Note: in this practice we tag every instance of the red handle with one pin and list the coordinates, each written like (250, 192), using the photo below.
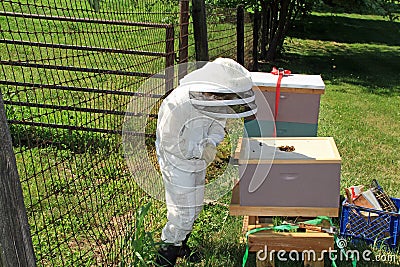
(281, 73)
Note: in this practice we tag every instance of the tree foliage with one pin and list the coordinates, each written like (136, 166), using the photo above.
(231, 3)
(276, 16)
(386, 8)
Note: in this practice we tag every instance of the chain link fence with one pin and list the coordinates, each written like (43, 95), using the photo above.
(68, 71)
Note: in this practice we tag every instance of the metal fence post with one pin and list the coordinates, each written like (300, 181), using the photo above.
(200, 30)
(170, 58)
(15, 240)
(240, 34)
(183, 37)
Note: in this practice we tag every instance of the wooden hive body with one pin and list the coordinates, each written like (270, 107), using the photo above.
(299, 102)
(307, 177)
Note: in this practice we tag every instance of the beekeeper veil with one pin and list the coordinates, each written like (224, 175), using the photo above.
(221, 89)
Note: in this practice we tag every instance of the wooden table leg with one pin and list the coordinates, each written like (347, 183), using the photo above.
(253, 220)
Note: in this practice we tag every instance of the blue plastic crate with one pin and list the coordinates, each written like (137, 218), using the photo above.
(373, 226)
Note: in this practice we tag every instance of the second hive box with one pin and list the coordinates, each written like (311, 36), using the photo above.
(309, 176)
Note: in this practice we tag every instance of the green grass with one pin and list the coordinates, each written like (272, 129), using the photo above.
(358, 58)
(79, 193)
(360, 108)
(84, 176)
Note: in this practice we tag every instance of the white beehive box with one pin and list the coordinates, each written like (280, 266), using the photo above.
(299, 103)
(307, 177)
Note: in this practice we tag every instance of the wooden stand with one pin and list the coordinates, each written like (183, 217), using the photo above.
(277, 242)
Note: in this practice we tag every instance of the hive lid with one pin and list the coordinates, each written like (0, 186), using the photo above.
(307, 150)
(298, 83)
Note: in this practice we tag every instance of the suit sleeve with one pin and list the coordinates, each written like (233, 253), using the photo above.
(216, 133)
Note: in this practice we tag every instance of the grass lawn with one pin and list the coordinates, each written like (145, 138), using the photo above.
(358, 58)
(79, 194)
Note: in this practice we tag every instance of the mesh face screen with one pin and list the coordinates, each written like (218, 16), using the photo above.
(211, 96)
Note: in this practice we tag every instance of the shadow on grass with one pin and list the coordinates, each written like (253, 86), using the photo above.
(347, 30)
(372, 67)
(375, 73)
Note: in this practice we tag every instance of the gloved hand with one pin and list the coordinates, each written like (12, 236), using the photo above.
(209, 152)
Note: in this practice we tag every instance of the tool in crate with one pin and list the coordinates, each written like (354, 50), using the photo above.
(384, 200)
(373, 225)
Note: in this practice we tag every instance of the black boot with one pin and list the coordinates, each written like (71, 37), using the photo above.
(167, 255)
(187, 253)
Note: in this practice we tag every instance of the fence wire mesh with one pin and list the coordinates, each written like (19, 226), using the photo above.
(68, 71)
(221, 30)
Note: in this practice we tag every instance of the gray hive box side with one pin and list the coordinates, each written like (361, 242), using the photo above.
(307, 177)
(299, 103)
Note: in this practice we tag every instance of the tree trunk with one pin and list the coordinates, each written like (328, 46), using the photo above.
(274, 19)
(256, 29)
(264, 28)
(279, 34)
(292, 13)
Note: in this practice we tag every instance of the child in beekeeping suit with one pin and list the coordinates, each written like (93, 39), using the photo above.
(191, 123)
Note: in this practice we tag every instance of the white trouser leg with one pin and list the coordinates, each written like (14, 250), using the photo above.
(184, 202)
(200, 180)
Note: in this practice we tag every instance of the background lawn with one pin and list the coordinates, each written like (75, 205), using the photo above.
(358, 58)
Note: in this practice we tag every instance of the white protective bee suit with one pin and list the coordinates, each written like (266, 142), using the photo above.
(190, 126)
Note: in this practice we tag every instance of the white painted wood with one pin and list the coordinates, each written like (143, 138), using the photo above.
(308, 150)
(291, 81)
